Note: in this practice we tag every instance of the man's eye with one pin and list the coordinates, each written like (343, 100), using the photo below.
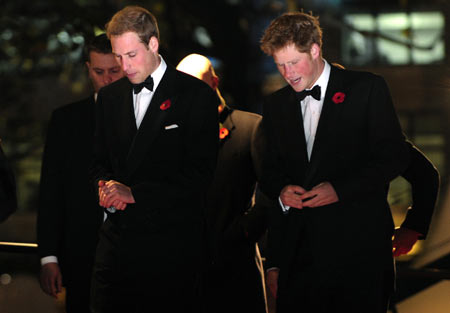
(99, 72)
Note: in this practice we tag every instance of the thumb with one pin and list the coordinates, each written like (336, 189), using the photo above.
(101, 183)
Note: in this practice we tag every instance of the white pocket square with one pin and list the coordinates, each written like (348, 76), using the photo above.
(171, 126)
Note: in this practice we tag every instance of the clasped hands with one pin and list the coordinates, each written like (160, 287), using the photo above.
(298, 197)
(113, 193)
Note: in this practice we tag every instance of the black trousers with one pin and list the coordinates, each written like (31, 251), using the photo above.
(124, 280)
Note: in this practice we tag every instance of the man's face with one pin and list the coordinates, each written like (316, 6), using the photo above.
(299, 69)
(137, 59)
(103, 69)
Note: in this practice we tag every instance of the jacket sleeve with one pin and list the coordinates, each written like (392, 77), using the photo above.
(424, 179)
(51, 190)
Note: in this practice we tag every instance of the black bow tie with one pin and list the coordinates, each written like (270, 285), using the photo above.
(315, 93)
(147, 83)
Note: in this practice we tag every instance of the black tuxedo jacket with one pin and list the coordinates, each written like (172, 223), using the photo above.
(68, 213)
(8, 198)
(359, 148)
(233, 225)
(168, 164)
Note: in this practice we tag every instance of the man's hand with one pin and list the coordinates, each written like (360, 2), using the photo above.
(290, 195)
(320, 195)
(113, 193)
(404, 240)
(51, 279)
(272, 282)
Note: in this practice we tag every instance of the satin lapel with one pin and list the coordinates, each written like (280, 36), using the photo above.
(124, 118)
(153, 121)
(294, 123)
(328, 121)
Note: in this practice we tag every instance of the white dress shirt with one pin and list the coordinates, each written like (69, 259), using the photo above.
(142, 100)
(311, 120)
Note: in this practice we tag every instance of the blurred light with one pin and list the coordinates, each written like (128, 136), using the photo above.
(7, 34)
(64, 37)
(98, 31)
(5, 279)
(201, 35)
(78, 39)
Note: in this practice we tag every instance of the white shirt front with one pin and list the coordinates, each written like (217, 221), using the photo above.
(311, 120)
(142, 100)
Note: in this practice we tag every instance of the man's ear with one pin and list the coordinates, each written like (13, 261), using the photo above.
(315, 51)
(153, 44)
(215, 82)
(88, 65)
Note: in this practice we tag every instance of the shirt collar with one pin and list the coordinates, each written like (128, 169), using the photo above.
(322, 81)
(159, 73)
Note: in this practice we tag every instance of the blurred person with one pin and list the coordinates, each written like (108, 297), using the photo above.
(68, 214)
(8, 197)
(424, 180)
(334, 144)
(235, 278)
(156, 149)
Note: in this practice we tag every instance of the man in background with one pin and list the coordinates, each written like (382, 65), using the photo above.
(68, 214)
(235, 278)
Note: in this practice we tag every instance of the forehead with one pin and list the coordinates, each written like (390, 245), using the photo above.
(288, 54)
(126, 43)
(102, 60)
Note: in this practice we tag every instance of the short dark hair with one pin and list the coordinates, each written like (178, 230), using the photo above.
(133, 19)
(99, 44)
(298, 28)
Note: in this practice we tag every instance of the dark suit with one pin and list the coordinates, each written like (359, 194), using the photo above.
(424, 180)
(234, 281)
(8, 198)
(68, 213)
(338, 256)
(150, 254)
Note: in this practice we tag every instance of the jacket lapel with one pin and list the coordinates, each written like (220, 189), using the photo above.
(153, 121)
(294, 122)
(326, 129)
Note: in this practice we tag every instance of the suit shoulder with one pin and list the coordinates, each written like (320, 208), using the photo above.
(74, 107)
(115, 87)
(187, 82)
(362, 77)
(249, 117)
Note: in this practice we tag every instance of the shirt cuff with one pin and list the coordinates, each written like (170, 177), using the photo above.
(49, 259)
(272, 269)
(284, 208)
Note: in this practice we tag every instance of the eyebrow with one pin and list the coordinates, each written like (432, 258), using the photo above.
(127, 53)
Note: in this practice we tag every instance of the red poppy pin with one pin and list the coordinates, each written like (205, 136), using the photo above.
(338, 97)
(165, 105)
(223, 133)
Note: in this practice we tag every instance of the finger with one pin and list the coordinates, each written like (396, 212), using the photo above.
(58, 283)
(53, 287)
(122, 206)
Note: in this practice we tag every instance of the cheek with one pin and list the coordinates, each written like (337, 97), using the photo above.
(304, 69)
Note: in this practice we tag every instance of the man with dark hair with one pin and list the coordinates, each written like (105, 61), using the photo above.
(68, 214)
(334, 144)
(155, 154)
